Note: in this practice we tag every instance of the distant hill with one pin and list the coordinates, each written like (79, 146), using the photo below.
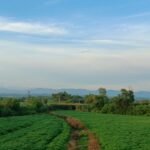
(47, 91)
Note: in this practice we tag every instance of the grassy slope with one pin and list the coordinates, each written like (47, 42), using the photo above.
(117, 132)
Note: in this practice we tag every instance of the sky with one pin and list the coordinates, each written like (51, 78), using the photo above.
(75, 44)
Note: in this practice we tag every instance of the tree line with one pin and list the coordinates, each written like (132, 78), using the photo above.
(22, 106)
(123, 103)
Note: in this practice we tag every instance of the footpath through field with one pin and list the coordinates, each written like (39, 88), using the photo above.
(116, 132)
(81, 137)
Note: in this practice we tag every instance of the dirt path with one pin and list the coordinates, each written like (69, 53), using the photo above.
(81, 137)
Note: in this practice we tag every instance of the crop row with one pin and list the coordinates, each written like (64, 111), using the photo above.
(116, 132)
(11, 124)
(60, 141)
(40, 133)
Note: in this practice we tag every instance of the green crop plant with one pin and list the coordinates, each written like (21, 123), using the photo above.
(116, 132)
(34, 132)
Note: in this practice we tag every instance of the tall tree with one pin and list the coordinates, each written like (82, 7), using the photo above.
(102, 91)
(124, 100)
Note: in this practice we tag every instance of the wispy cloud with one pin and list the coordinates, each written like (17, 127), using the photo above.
(143, 14)
(31, 28)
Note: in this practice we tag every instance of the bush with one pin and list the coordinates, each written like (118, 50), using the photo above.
(109, 108)
(5, 111)
(141, 110)
(12, 107)
(9, 107)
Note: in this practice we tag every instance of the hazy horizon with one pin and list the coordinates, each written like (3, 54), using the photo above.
(75, 44)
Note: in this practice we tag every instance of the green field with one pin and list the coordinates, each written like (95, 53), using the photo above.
(117, 132)
(36, 132)
(46, 132)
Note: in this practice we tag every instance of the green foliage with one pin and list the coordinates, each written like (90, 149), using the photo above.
(9, 107)
(35, 132)
(77, 99)
(120, 104)
(31, 105)
(97, 102)
(37, 105)
(141, 110)
(89, 99)
(116, 132)
(102, 91)
(109, 108)
(60, 141)
(100, 101)
(61, 96)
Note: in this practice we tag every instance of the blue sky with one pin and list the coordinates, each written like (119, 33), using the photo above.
(75, 44)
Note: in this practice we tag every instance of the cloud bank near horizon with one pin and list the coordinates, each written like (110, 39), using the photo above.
(60, 45)
(29, 65)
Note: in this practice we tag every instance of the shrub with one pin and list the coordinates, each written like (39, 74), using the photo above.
(141, 110)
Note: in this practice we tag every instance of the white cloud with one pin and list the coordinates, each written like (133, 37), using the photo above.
(36, 65)
(143, 14)
(116, 59)
(31, 28)
(135, 34)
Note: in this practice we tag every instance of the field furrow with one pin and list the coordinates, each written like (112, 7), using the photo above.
(42, 132)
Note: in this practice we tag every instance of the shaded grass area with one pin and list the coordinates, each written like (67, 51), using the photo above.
(116, 132)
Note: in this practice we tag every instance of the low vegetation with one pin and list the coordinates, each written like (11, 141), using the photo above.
(15, 107)
(81, 137)
(116, 132)
(25, 123)
(36, 132)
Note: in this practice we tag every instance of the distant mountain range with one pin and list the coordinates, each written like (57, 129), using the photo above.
(46, 92)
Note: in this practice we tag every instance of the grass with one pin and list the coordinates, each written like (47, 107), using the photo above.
(36, 132)
(116, 132)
